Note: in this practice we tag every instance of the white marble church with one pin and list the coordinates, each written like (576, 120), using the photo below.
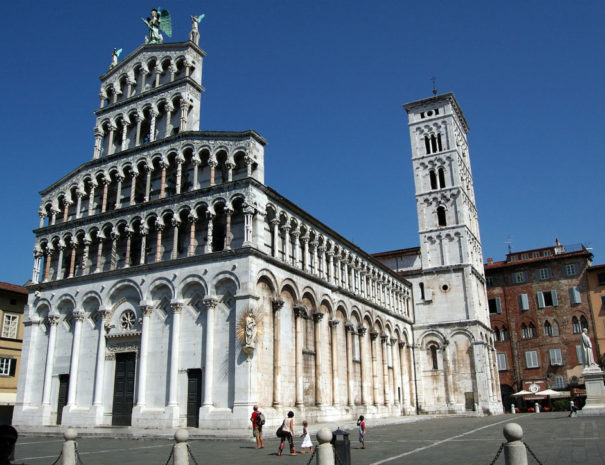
(172, 287)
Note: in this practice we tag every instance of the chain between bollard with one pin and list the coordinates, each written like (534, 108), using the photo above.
(58, 458)
(312, 455)
(497, 454)
(170, 456)
(532, 453)
(191, 455)
(78, 453)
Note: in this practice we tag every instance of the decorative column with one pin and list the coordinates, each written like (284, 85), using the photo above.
(53, 214)
(175, 238)
(248, 161)
(248, 215)
(105, 183)
(163, 166)
(321, 262)
(275, 223)
(131, 82)
(37, 262)
(185, 105)
(91, 198)
(78, 317)
(98, 266)
(143, 353)
(212, 163)
(350, 333)
(334, 325)
(128, 231)
(73, 244)
(114, 250)
(112, 129)
(385, 368)
(120, 179)
(375, 392)
(296, 251)
(85, 253)
(208, 246)
(330, 271)
(169, 108)
(196, 166)
(42, 214)
(67, 204)
(337, 268)
(364, 365)
(102, 319)
(229, 165)
(192, 219)
(124, 134)
(47, 259)
(286, 230)
(393, 378)
(144, 72)
(158, 243)
(61, 247)
(102, 97)
(276, 304)
(211, 304)
(228, 235)
(139, 117)
(315, 269)
(305, 259)
(53, 321)
(133, 186)
(177, 307)
(148, 169)
(180, 159)
(300, 312)
(158, 72)
(403, 373)
(143, 231)
(79, 194)
(154, 115)
(447, 374)
(317, 317)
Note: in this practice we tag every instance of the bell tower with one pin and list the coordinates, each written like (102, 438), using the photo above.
(455, 359)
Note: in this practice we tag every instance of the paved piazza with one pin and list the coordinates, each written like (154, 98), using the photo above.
(556, 440)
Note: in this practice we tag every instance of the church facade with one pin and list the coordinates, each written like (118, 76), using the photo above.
(171, 287)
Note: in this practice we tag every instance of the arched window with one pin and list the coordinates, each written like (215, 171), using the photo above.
(524, 333)
(504, 333)
(497, 334)
(433, 350)
(441, 178)
(547, 329)
(583, 322)
(433, 179)
(427, 144)
(441, 216)
(575, 325)
(555, 328)
(532, 330)
(433, 143)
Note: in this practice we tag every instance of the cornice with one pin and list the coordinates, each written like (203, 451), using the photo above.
(447, 97)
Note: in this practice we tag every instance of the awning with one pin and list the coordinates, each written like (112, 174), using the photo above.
(8, 398)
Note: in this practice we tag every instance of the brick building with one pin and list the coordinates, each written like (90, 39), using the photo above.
(538, 302)
(12, 302)
(596, 293)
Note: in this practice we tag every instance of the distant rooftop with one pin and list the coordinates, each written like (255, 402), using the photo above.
(13, 288)
(543, 253)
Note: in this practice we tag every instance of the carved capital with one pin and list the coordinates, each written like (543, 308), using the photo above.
(373, 335)
(277, 303)
(300, 311)
(176, 307)
(384, 338)
(401, 345)
(210, 303)
(53, 319)
(78, 315)
(361, 330)
(334, 322)
(317, 317)
(147, 310)
(349, 327)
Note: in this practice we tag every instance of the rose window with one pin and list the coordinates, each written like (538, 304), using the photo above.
(128, 320)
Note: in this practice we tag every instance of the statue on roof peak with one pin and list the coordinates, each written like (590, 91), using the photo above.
(194, 35)
(159, 20)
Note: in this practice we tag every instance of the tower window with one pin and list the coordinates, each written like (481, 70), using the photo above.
(421, 285)
(441, 177)
(441, 216)
(433, 144)
(433, 179)
(433, 350)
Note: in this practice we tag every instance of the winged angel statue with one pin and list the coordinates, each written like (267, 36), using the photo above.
(159, 21)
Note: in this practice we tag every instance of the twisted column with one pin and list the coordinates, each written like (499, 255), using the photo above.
(209, 238)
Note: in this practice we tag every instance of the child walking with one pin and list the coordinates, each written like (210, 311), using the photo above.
(306, 439)
(362, 431)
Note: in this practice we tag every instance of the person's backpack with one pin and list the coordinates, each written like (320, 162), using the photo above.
(260, 419)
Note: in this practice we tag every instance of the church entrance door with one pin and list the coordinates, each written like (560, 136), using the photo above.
(194, 396)
(123, 389)
(62, 398)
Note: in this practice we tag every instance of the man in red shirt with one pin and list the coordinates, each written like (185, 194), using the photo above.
(257, 427)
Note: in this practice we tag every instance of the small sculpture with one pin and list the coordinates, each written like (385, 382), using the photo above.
(588, 359)
(114, 57)
(248, 329)
(159, 20)
(194, 35)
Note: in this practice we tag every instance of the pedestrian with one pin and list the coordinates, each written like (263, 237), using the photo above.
(362, 431)
(258, 420)
(306, 439)
(8, 439)
(286, 431)
(572, 409)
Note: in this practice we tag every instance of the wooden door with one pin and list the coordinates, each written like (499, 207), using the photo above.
(194, 396)
(123, 389)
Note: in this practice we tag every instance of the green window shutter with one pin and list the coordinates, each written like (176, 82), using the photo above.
(540, 298)
(498, 305)
(555, 300)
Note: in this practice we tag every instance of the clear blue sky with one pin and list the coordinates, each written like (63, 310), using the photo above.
(323, 82)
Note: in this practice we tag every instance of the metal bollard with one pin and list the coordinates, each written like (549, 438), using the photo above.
(514, 450)
(325, 451)
(513, 409)
(181, 451)
(68, 456)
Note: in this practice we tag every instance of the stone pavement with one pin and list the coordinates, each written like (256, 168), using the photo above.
(554, 438)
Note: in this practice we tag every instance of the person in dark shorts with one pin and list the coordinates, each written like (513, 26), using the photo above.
(257, 427)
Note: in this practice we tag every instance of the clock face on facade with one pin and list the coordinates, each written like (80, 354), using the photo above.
(534, 388)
